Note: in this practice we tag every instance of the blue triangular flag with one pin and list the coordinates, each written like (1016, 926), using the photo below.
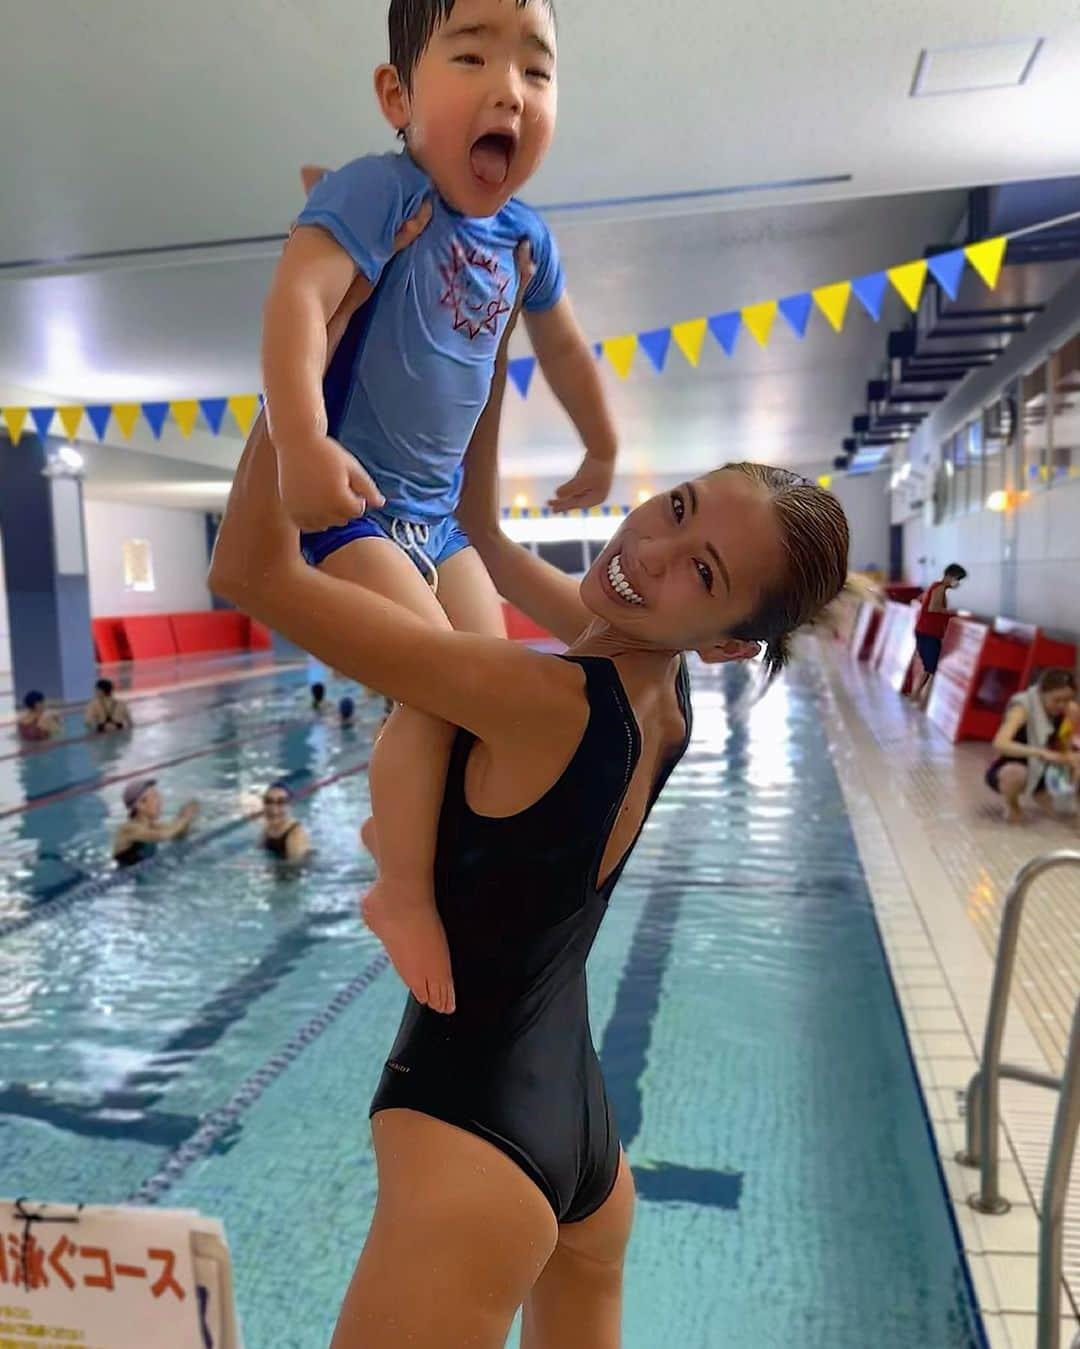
(155, 414)
(871, 292)
(99, 418)
(947, 269)
(598, 349)
(42, 420)
(655, 345)
(213, 409)
(545, 512)
(725, 328)
(796, 309)
(520, 371)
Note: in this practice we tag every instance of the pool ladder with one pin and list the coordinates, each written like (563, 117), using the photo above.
(984, 1107)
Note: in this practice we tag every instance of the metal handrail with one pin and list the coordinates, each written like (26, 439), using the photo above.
(984, 1105)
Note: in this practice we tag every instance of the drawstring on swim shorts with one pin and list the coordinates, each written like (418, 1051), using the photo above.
(413, 539)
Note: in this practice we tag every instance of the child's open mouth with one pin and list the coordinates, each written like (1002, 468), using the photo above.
(491, 156)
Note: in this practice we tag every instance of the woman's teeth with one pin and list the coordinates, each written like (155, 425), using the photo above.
(620, 584)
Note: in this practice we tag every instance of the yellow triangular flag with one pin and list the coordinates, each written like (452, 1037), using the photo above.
(16, 420)
(243, 407)
(759, 318)
(909, 281)
(833, 302)
(688, 338)
(620, 352)
(987, 258)
(186, 412)
(70, 417)
(126, 414)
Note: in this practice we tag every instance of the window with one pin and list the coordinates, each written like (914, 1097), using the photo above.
(138, 565)
(568, 555)
(1065, 431)
(996, 434)
(1033, 428)
(962, 465)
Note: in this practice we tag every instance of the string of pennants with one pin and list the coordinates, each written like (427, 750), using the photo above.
(546, 513)
(832, 301)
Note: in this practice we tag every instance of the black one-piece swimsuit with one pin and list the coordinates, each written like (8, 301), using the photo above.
(516, 1064)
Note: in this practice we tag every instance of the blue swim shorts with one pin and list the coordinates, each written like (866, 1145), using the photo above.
(429, 545)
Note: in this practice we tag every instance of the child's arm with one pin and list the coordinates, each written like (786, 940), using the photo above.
(321, 483)
(569, 367)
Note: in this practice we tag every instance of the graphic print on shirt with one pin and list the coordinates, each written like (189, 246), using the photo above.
(475, 291)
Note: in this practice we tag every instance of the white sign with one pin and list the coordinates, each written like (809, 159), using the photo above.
(121, 1278)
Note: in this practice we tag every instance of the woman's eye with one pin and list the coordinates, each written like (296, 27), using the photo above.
(706, 575)
(544, 75)
(678, 507)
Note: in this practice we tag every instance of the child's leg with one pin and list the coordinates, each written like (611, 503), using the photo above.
(408, 770)
(408, 774)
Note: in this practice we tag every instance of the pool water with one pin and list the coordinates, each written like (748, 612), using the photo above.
(208, 1034)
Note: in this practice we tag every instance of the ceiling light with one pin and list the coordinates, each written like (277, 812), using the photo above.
(971, 67)
(521, 501)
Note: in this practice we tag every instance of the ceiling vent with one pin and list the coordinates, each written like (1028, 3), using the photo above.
(971, 67)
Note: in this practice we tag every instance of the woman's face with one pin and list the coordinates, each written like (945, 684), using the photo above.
(689, 565)
(1057, 701)
(275, 807)
(149, 805)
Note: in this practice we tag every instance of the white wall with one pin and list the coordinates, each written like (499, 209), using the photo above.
(865, 500)
(178, 546)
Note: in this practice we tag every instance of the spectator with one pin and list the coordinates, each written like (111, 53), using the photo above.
(318, 698)
(931, 624)
(105, 712)
(1037, 756)
(137, 838)
(347, 711)
(283, 836)
(36, 721)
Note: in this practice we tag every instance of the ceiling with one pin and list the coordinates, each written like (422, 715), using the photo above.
(168, 127)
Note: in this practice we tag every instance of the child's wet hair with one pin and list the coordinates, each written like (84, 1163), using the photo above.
(413, 23)
(815, 537)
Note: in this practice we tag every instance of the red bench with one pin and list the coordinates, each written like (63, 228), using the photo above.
(138, 637)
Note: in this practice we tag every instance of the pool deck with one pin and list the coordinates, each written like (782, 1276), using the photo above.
(938, 860)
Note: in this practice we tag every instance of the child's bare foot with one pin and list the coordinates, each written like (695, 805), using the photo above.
(410, 928)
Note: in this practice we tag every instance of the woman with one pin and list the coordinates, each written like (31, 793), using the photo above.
(105, 712)
(283, 837)
(501, 1180)
(137, 838)
(1037, 732)
(36, 721)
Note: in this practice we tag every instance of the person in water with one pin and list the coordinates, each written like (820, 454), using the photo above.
(37, 721)
(283, 837)
(501, 1181)
(105, 712)
(137, 838)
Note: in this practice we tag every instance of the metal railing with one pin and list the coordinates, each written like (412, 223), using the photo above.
(984, 1105)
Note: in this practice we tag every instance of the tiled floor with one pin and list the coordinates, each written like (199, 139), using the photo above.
(939, 862)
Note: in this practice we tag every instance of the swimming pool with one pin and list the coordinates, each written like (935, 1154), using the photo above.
(208, 1034)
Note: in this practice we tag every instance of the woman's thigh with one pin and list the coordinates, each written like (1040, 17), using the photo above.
(459, 1237)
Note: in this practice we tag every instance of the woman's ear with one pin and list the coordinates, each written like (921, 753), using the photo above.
(727, 650)
(393, 97)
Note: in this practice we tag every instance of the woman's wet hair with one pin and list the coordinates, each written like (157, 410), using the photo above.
(1050, 681)
(814, 534)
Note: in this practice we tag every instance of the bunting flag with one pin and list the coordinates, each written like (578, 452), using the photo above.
(243, 407)
(689, 338)
(620, 352)
(947, 269)
(725, 328)
(986, 257)
(546, 513)
(185, 412)
(796, 309)
(655, 345)
(70, 420)
(833, 302)
(520, 371)
(759, 318)
(16, 420)
(908, 282)
(126, 414)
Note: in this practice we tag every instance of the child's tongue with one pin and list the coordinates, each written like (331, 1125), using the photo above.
(490, 160)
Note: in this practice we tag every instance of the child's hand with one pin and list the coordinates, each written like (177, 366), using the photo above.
(323, 485)
(589, 486)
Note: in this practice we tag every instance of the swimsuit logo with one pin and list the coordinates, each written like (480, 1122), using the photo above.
(475, 290)
(397, 1067)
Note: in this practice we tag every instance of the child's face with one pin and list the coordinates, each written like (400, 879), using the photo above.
(481, 111)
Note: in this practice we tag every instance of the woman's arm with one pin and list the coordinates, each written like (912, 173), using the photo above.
(494, 688)
(1005, 741)
(297, 844)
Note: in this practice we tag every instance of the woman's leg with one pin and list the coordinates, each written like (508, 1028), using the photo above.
(460, 1235)
(578, 1298)
(1012, 779)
